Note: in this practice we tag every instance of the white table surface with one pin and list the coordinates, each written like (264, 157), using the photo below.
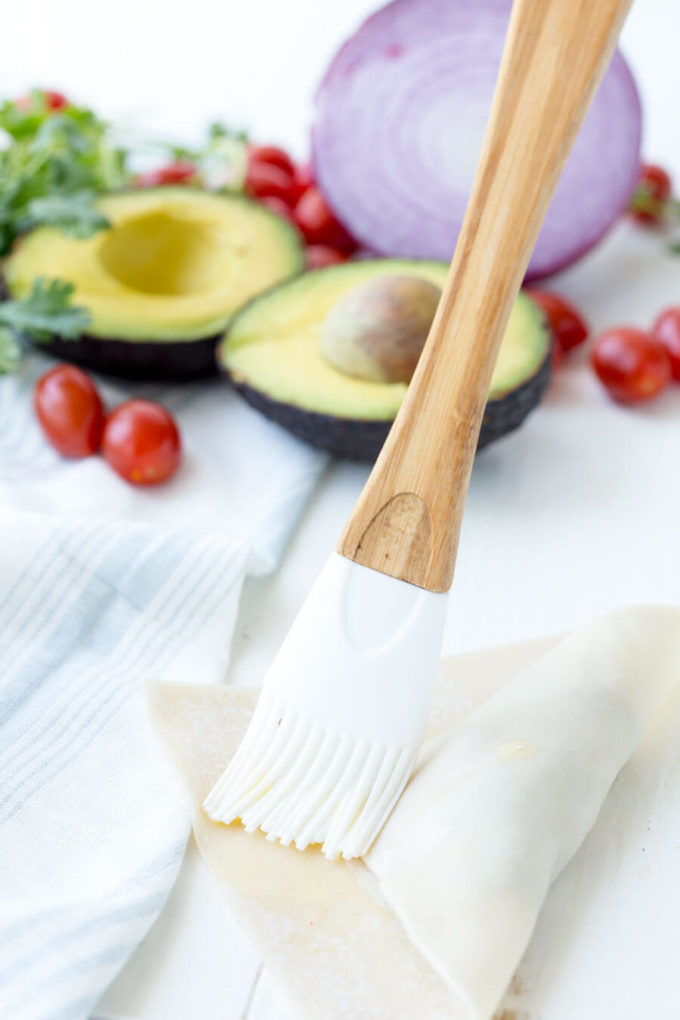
(576, 513)
(527, 566)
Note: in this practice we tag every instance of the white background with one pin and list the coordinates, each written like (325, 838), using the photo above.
(255, 63)
(576, 523)
(578, 512)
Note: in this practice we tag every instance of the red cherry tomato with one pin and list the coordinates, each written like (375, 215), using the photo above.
(273, 155)
(141, 442)
(304, 175)
(70, 411)
(654, 187)
(178, 172)
(557, 356)
(53, 101)
(318, 224)
(565, 321)
(666, 330)
(304, 179)
(320, 255)
(278, 206)
(631, 364)
(264, 180)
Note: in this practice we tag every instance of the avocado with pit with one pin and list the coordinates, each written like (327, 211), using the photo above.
(164, 281)
(377, 330)
(273, 351)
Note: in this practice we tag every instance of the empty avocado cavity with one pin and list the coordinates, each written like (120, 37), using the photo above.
(164, 281)
(162, 253)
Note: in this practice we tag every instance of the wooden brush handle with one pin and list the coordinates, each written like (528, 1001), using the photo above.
(407, 520)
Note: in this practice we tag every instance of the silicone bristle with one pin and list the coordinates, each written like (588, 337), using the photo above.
(304, 784)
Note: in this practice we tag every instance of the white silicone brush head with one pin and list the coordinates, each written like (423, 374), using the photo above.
(342, 714)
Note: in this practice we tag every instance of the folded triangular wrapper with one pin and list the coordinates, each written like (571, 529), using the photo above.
(435, 921)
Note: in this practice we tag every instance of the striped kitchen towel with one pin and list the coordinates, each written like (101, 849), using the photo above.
(100, 586)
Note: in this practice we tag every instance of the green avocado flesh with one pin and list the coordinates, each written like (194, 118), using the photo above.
(174, 267)
(271, 351)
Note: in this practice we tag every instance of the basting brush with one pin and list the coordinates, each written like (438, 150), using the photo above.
(344, 707)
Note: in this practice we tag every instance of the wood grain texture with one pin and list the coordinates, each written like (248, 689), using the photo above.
(555, 55)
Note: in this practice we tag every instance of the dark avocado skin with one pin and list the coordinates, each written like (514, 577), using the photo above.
(361, 439)
(140, 360)
(170, 361)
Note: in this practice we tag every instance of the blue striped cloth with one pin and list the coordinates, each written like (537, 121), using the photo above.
(102, 585)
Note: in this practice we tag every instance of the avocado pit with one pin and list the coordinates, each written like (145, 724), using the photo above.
(272, 352)
(378, 329)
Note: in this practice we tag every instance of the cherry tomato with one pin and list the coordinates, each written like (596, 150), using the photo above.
(666, 330)
(264, 180)
(653, 190)
(557, 355)
(178, 172)
(273, 155)
(53, 101)
(318, 224)
(304, 179)
(278, 206)
(70, 411)
(141, 442)
(304, 175)
(320, 255)
(565, 321)
(631, 364)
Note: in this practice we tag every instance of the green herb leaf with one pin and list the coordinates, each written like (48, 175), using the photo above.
(222, 161)
(645, 201)
(10, 351)
(218, 129)
(47, 309)
(673, 206)
(52, 157)
(20, 122)
(74, 214)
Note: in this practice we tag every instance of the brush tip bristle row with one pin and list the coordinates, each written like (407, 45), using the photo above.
(302, 783)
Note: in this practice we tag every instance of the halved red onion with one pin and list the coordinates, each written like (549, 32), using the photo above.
(400, 117)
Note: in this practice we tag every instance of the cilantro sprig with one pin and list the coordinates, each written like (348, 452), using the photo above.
(74, 214)
(46, 309)
(55, 160)
(221, 161)
(645, 201)
(53, 168)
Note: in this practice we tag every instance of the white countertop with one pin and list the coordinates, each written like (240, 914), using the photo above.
(574, 514)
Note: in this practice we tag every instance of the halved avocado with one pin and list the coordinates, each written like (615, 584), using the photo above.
(271, 353)
(162, 284)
